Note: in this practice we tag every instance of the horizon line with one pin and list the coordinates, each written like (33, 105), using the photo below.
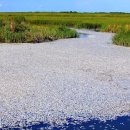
(62, 12)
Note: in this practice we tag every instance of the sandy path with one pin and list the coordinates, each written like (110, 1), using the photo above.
(79, 78)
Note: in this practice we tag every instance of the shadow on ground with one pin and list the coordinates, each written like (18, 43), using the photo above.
(121, 123)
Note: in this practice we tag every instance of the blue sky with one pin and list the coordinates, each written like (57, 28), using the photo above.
(65, 5)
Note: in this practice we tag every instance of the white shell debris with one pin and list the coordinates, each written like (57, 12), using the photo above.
(78, 78)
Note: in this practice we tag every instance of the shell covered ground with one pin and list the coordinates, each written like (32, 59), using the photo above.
(79, 78)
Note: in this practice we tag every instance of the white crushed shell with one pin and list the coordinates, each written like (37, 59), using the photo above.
(78, 78)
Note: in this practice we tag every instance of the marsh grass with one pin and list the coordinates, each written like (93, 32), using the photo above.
(17, 30)
(36, 34)
(39, 34)
(122, 38)
(39, 27)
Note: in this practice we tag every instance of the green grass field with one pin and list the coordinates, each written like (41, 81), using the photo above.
(50, 26)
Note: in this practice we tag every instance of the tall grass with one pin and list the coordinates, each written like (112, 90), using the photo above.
(75, 24)
(17, 30)
(122, 38)
(40, 24)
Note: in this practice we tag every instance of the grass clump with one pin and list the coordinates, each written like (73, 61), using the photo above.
(17, 30)
(64, 32)
(114, 28)
(39, 34)
(13, 30)
(122, 38)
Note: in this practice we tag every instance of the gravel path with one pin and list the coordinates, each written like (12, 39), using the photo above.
(78, 78)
